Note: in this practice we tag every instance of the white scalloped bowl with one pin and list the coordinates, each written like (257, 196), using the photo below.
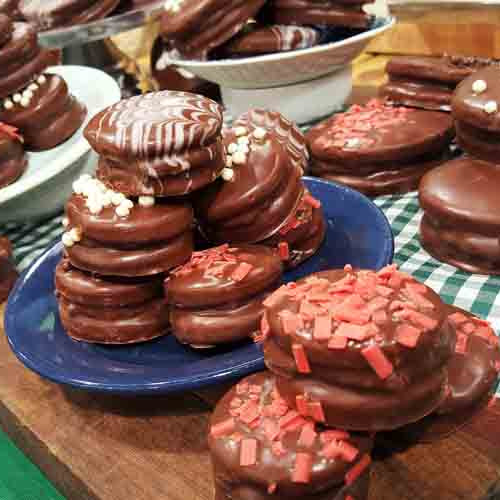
(286, 68)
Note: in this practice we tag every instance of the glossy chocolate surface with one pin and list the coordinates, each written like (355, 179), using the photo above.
(110, 310)
(272, 476)
(341, 378)
(200, 26)
(13, 160)
(211, 303)
(50, 14)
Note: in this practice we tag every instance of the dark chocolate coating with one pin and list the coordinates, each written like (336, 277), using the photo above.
(319, 12)
(51, 118)
(477, 142)
(8, 273)
(461, 224)
(351, 393)
(6, 28)
(150, 240)
(11, 9)
(50, 14)
(21, 59)
(200, 26)
(110, 310)
(237, 482)
(209, 309)
(170, 77)
(258, 40)
(13, 160)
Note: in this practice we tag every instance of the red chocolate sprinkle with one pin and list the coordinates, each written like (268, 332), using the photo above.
(242, 271)
(289, 417)
(358, 469)
(355, 332)
(379, 317)
(385, 291)
(242, 387)
(407, 335)
(223, 428)
(378, 361)
(376, 304)
(249, 412)
(275, 297)
(420, 319)
(271, 429)
(461, 345)
(12, 132)
(332, 450)
(348, 451)
(248, 452)
(303, 466)
(300, 357)
(333, 434)
(468, 328)
(272, 488)
(414, 293)
(313, 202)
(307, 436)
(302, 405)
(316, 411)
(290, 322)
(265, 329)
(284, 250)
(278, 449)
(322, 327)
(337, 342)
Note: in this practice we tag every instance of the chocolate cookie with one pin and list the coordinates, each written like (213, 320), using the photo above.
(111, 235)
(217, 297)
(359, 349)
(475, 108)
(347, 13)
(13, 160)
(168, 76)
(8, 273)
(257, 40)
(380, 149)
(264, 449)
(51, 14)
(160, 144)
(461, 223)
(195, 27)
(427, 82)
(110, 310)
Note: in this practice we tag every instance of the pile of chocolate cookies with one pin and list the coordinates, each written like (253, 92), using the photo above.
(350, 353)
(191, 29)
(37, 112)
(129, 236)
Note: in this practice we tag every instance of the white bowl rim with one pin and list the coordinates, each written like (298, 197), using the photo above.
(280, 56)
(71, 155)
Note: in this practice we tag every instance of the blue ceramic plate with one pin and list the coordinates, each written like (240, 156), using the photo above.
(358, 233)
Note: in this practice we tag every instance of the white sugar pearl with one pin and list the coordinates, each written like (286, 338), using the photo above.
(243, 148)
(28, 94)
(243, 139)
(8, 104)
(491, 107)
(479, 86)
(17, 98)
(227, 174)
(67, 240)
(117, 198)
(106, 199)
(232, 148)
(76, 234)
(239, 131)
(259, 133)
(229, 161)
(65, 222)
(25, 102)
(78, 187)
(127, 203)
(95, 207)
(122, 210)
(146, 201)
(353, 142)
(41, 79)
(239, 158)
(85, 177)
(33, 87)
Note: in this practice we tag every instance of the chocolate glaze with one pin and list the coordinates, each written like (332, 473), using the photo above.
(203, 25)
(209, 306)
(50, 14)
(8, 273)
(237, 482)
(21, 59)
(400, 178)
(478, 142)
(52, 117)
(324, 12)
(109, 310)
(258, 39)
(170, 77)
(150, 240)
(461, 224)
(468, 107)
(343, 381)
(13, 160)
(6, 28)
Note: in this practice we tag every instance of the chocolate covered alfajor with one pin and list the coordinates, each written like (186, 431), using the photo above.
(13, 159)
(262, 448)
(159, 144)
(217, 296)
(359, 350)
(8, 273)
(37, 103)
(260, 197)
(380, 149)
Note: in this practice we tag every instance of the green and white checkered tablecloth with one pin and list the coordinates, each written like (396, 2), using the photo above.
(479, 294)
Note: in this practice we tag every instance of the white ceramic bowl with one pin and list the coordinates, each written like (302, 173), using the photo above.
(285, 68)
(43, 189)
